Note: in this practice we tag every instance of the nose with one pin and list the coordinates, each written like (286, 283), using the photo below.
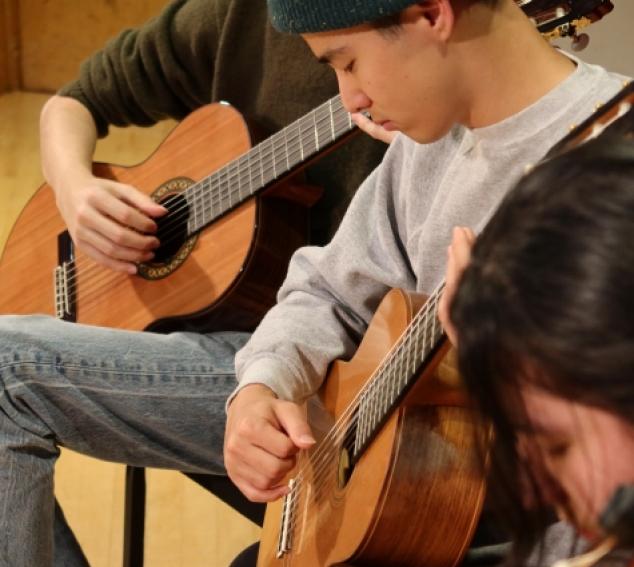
(352, 96)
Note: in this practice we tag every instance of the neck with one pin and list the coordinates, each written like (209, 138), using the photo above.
(509, 65)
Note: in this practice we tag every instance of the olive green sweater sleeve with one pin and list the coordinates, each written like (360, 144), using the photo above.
(163, 69)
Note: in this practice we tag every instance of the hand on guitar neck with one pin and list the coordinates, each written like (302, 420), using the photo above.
(262, 438)
(109, 221)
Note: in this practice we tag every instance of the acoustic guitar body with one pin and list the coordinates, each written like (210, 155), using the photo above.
(225, 277)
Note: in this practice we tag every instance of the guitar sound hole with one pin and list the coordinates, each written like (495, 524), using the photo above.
(172, 228)
(346, 462)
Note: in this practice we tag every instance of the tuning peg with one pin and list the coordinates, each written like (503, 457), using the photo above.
(580, 41)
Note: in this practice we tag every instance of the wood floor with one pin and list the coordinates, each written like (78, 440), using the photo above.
(185, 525)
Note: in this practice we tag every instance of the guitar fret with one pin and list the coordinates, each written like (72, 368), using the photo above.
(301, 140)
(258, 148)
(227, 186)
(288, 163)
(272, 170)
(237, 176)
(245, 181)
(361, 423)
(332, 121)
(316, 131)
(190, 198)
(204, 198)
(195, 216)
(275, 153)
(198, 203)
(385, 386)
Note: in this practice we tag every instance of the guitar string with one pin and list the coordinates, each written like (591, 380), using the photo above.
(330, 468)
(323, 456)
(292, 152)
(316, 130)
(389, 370)
(345, 426)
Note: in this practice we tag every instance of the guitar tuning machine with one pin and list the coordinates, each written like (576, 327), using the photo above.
(580, 41)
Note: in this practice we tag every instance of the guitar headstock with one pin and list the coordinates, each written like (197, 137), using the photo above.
(563, 18)
(615, 118)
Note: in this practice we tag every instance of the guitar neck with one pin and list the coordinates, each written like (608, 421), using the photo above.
(267, 162)
(398, 372)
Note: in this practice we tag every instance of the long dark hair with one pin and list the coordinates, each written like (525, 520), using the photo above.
(548, 298)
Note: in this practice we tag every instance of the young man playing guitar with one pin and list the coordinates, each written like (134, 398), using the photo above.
(479, 96)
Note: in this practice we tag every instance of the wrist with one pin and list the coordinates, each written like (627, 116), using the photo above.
(252, 392)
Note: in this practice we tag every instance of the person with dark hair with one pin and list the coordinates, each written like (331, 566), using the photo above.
(543, 318)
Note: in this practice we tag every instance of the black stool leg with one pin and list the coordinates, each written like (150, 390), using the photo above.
(134, 517)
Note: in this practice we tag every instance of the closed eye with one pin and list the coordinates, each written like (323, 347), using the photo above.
(557, 450)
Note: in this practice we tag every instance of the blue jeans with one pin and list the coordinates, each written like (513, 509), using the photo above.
(130, 397)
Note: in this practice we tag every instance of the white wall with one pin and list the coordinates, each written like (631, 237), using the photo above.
(611, 39)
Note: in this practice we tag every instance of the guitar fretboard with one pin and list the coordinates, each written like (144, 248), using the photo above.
(266, 162)
(398, 371)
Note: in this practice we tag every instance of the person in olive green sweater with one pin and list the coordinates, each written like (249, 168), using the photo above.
(164, 406)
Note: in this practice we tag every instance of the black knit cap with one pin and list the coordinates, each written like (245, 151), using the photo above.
(307, 16)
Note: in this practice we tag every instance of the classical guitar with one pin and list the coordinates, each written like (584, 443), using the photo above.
(235, 217)
(564, 18)
(394, 479)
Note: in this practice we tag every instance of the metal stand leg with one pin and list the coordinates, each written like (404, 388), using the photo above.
(134, 517)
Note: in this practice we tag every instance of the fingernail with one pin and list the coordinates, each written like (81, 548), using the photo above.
(307, 439)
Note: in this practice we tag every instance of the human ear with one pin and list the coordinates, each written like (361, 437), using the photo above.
(437, 16)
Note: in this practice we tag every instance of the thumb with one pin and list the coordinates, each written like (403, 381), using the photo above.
(291, 418)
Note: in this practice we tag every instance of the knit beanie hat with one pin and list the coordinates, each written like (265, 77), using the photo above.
(307, 16)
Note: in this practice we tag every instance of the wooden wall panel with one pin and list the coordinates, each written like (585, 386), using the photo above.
(9, 46)
(57, 36)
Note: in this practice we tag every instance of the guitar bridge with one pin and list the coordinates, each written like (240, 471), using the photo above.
(284, 542)
(64, 279)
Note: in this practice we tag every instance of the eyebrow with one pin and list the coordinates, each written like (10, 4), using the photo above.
(331, 54)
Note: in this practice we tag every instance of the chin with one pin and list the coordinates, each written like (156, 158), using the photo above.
(428, 136)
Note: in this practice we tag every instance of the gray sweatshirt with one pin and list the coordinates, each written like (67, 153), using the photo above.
(397, 229)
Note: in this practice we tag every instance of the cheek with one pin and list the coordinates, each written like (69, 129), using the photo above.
(588, 481)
